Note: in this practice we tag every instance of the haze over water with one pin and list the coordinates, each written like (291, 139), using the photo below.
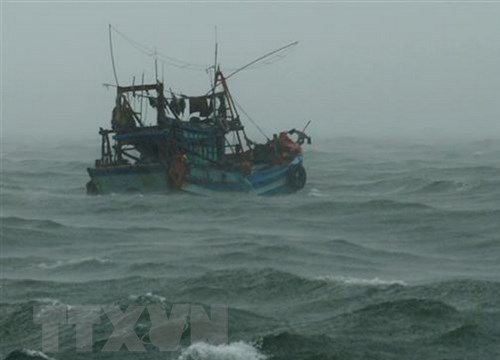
(392, 250)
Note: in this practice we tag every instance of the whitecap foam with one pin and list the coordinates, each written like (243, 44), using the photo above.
(359, 281)
(36, 353)
(60, 263)
(150, 297)
(234, 351)
(47, 304)
(49, 301)
(50, 266)
(317, 193)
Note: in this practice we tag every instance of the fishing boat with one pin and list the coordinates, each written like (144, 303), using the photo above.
(198, 145)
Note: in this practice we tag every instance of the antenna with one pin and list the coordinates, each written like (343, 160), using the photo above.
(112, 55)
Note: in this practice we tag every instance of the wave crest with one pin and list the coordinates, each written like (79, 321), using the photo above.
(234, 351)
(88, 262)
(348, 280)
(28, 354)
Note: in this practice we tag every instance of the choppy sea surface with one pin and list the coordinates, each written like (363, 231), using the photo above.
(392, 251)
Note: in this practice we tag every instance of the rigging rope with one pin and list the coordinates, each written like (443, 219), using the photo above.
(165, 59)
(251, 120)
(180, 64)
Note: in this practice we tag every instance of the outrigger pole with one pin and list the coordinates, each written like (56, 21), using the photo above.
(112, 56)
(262, 58)
(219, 76)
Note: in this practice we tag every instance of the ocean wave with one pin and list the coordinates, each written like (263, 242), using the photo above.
(147, 229)
(468, 334)
(406, 319)
(489, 171)
(46, 163)
(45, 224)
(15, 186)
(362, 253)
(46, 302)
(459, 334)
(317, 193)
(38, 175)
(18, 262)
(348, 280)
(243, 287)
(390, 184)
(49, 301)
(255, 253)
(412, 184)
(28, 354)
(290, 345)
(18, 314)
(158, 268)
(77, 264)
(20, 222)
(148, 298)
(441, 186)
(463, 293)
(342, 207)
(418, 308)
(274, 282)
(385, 204)
(233, 351)
(483, 245)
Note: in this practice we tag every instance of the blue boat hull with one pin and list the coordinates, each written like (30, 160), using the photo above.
(147, 178)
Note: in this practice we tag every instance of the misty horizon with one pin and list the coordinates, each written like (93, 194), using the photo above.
(383, 70)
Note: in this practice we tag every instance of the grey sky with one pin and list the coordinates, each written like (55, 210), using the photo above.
(415, 70)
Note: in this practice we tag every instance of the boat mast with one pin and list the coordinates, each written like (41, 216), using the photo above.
(215, 59)
(232, 108)
(142, 95)
(215, 76)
